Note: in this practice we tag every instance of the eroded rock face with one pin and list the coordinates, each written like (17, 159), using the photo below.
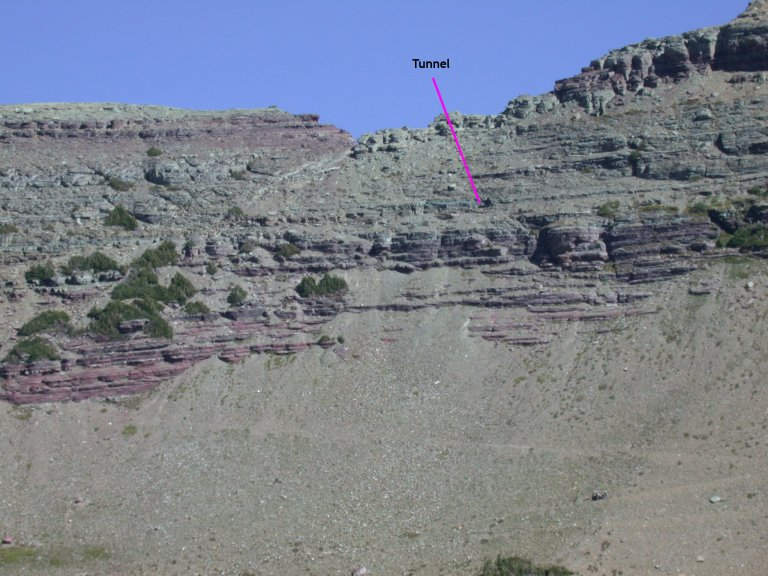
(576, 210)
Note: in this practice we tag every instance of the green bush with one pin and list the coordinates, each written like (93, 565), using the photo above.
(758, 191)
(753, 238)
(211, 268)
(180, 289)
(32, 350)
(97, 262)
(50, 320)
(119, 216)
(236, 295)
(608, 209)
(327, 285)
(287, 250)
(119, 184)
(238, 174)
(7, 229)
(163, 255)
(143, 283)
(106, 321)
(154, 152)
(514, 566)
(196, 307)
(40, 273)
(235, 213)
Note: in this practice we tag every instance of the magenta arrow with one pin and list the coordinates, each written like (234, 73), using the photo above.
(458, 146)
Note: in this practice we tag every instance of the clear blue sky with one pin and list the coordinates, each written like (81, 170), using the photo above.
(348, 61)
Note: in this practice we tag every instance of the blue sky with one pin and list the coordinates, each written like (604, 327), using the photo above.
(348, 61)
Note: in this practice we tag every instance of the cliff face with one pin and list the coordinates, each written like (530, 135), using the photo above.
(623, 215)
(599, 177)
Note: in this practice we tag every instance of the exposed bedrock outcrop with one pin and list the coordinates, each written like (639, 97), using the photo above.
(571, 246)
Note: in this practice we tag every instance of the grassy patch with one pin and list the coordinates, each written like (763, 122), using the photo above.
(514, 566)
(96, 262)
(16, 554)
(119, 216)
(32, 350)
(154, 152)
(119, 184)
(40, 273)
(236, 295)
(129, 430)
(328, 285)
(7, 229)
(48, 321)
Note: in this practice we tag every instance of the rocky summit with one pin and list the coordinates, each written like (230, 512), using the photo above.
(241, 342)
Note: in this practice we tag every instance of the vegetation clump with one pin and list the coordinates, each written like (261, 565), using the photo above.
(287, 250)
(163, 255)
(235, 213)
(119, 216)
(514, 566)
(106, 321)
(750, 238)
(238, 174)
(40, 274)
(236, 295)
(143, 283)
(154, 151)
(32, 350)
(48, 321)
(327, 286)
(608, 209)
(119, 184)
(96, 262)
(196, 308)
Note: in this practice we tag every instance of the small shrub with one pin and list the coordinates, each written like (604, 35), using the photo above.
(50, 320)
(163, 255)
(307, 287)
(129, 430)
(608, 209)
(119, 216)
(180, 289)
(758, 191)
(236, 295)
(40, 274)
(235, 213)
(514, 566)
(142, 282)
(327, 285)
(750, 238)
(324, 340)
(238, 174)
(96, 262)
(154, 151)
(7, 229)
(340, 339)
(246, 246)
(287, 250)
(32, 350)
(211, 268)
(119, 184)
(196, 308)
